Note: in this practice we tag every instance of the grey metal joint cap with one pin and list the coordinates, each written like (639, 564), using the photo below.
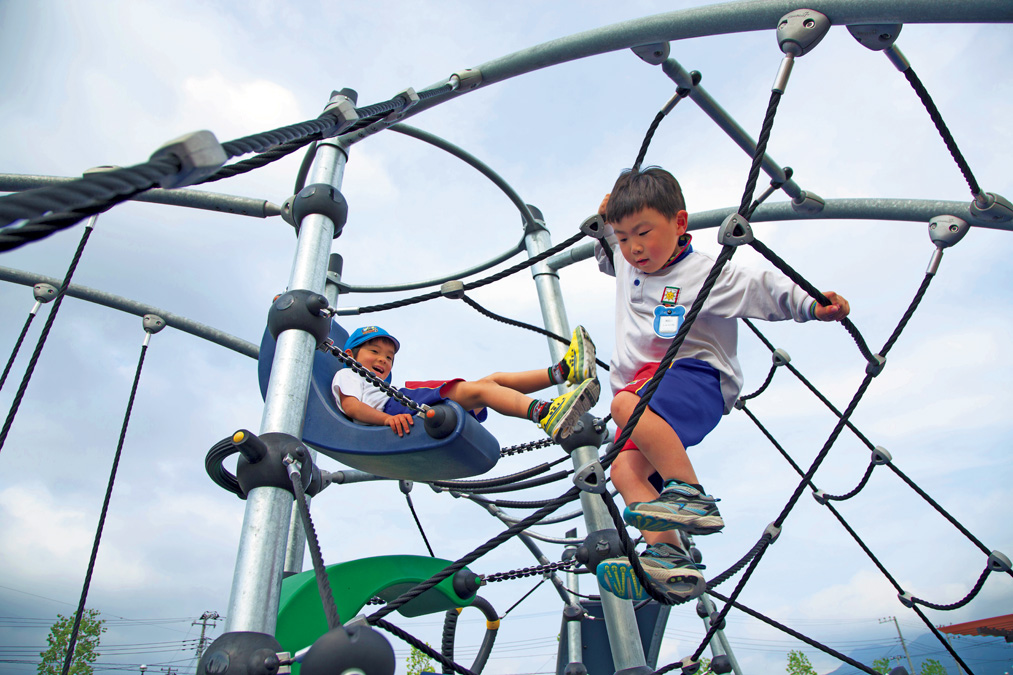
(342, 109)
(590, 477)
(236, 648)
(876, 36)
(800, 31)
(995, 208)
(881, 456)
(262, 460)
(318, 198)
(466, 79)
(653, 53)
(774, 531)
(594, 226)
(875, 367)
(735, 231)
(906, 599)
(947, 230)
(780, 357)
(153, 323)
(585, 433)
(199, 153)
(999, 562)
(453, 289)
(44, 292)
(821, 497)
(299, 310)
(808, 203)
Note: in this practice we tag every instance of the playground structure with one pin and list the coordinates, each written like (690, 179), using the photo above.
(257, 586)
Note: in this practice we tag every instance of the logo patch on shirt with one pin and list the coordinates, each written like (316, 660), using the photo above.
(670, 296)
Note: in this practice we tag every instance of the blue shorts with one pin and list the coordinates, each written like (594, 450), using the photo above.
(429, 392)
(688, 398)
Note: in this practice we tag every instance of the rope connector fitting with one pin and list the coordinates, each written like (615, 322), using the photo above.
(152, 323)
(808, 203)
(689, 665)
(320, 199)
(200, 154)
(992, 207)
(411, 99)
(590, 477)
(876, 36)
(453, 289)
(735, 231)
(945, 231)
(342, 109)
(998, 562)
(876, 365)
(594, 226)
(44, 292)
(466, 79)
(821, 497)
(653, 53)
(780, 358)
(881, 456)
(774, 531)
(799, 31)
(906, 599)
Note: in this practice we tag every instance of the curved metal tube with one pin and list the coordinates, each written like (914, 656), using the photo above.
(200, 330)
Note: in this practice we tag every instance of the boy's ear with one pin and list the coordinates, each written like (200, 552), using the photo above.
(682, 221)
(349, 352)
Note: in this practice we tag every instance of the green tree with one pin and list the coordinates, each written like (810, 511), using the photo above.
(798, 664)
(932, 667)
(881, 666)
(419, 662)
(89, 636)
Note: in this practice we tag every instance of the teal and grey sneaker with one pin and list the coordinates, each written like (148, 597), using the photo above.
(566, 410)
(580, 357)
(673, 571)
(678, 507)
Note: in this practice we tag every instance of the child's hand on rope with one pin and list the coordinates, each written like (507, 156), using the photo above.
(401, 423)
(835, 311)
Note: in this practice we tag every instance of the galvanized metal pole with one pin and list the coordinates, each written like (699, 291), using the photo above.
(550, 296)
(256, 586)
(574, 643)
(722, 646)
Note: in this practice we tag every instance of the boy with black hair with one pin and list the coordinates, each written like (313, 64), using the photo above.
(658, 277)
(374, 348)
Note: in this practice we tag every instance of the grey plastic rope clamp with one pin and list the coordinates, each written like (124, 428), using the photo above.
(995, 209)
(906, 599)
(876, 36)
(808, 203)
(594, 226)
(590, 477)
(466, 79)
(799, 31)
(453, 289)
(881, 455)
(780, 357)
(821, 497)
(318, 198)
(945, 230)
(343, 110)
(200, 154)
(999, 562)
(875, 367)
(735, 231)
(689, 665)
(44, 292)
(654, 53)
(774, 531)
(153, 323)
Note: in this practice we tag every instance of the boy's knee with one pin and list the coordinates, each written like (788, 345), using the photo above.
(494, 378)
(622, 406)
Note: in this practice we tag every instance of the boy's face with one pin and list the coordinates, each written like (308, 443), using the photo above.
(376, 355)
(648, 239)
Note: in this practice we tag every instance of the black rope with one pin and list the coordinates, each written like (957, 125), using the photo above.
(857, 489)
(263, 159)
(319, 569)
(907, 314)
(72, 642)
(466, 485)
(523, 485)
(775, 185)
(57, 302)
(520, 324)
(763, 387)
(529, 571)
(421, 646)
(523, 598)
(959, 603)
(647, 139)
(405, 302)
(419, 524)
(526, 447)
(17, 348)
(944, 131)
(942, 640)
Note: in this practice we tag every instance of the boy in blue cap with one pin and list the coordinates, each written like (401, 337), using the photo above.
(505, 393)
(658, 277)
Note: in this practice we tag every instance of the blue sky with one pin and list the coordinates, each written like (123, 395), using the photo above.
(92, 84)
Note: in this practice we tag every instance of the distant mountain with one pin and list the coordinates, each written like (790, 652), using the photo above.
(983, 655)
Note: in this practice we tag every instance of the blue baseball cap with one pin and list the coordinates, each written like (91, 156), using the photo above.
(367, 333)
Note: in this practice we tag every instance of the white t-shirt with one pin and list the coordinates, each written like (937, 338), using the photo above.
(350, 384)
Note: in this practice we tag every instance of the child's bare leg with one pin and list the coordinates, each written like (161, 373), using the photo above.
(630, 474)
(525, 382)
(657, 441)
(488, 393)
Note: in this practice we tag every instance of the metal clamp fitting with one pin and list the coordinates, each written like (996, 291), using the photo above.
(200, 154)
(774, 531)
(875, 367)
(594, 226)
(881, 455)
(301, 310)
(599, 545)
(780, 357)
(262, 460)
(799, 31)
(411, 99)
(152, 323)
(998, 562)
(466, 79)
(342, 109)
(688, 665)
(735, 231)
(945, 231)
(586, 432)
(319, 198)
(906, 599)
(876, 36)
(590, 477)
(808, 203)
(992, 207)
(821, 497)
(253, 652)
(453, 289)
(44, 292)
(654, 53)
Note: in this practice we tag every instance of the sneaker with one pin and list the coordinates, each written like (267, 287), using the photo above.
(580, 357)
(673, 571)
(678, 507)
(566, 410)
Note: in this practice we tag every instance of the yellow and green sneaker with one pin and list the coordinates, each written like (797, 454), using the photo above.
(566, 410)
(580, 357)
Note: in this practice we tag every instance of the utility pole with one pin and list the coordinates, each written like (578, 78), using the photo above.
(911, 668)
(203, 621)
(950, 642)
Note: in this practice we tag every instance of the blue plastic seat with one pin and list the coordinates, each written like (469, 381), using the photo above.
(469, 450)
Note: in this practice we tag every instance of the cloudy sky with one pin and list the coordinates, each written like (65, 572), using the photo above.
(88, 84)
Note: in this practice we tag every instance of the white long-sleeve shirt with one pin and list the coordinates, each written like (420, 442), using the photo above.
(651, 307)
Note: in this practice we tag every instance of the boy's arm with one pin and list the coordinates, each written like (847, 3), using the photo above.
(360, 412)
